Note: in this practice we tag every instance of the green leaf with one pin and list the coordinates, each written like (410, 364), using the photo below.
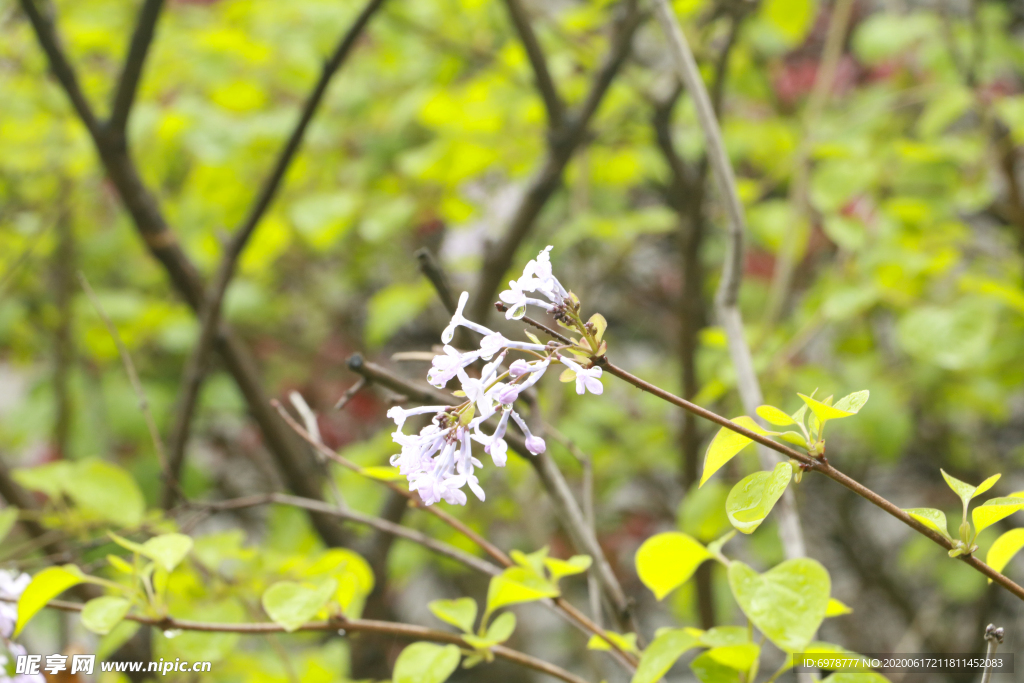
(754, 496)
(51, 479)
(382, 473)
(863, 677)
(45, 586)
(600, 325)
(666, 561)
(708, 670)
(459, 613)
(126, 544)
(852, 403)
(118, 636)
(1004, 548)
(726, 445)
(663, 652)
(501, 629)
(394, 306)
(167, 550)
(787, 603)
(720, 636)
(825, 412)
(518, 584)
(740, 657)
(8, 517)
(993, 510)
(576, 564)
(426, 663)
(965, 490)
(292, 604)
(101, 615)
(107, 491)
(774, 416)
(795, 438)
(624, 641)
(837, 609)
(120, 565)
(931, 518)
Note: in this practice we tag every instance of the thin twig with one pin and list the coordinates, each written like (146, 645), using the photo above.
(432, 270)
(562, 143)
(341, 626)
(534, 52)
(195, 368)
(383, 525)
(133, 63)
(133, 377)
(727, 297)
(796, 235)
(350, 393)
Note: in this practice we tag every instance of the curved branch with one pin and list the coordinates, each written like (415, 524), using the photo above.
(195, 368)
(545, 84)
(128, 84)
(342, 626)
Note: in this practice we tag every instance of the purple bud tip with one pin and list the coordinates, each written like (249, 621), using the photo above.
(536, 445)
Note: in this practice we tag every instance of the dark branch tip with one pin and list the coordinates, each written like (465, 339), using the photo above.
(355, 362)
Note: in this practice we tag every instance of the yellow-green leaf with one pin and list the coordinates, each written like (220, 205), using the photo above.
(382, 473)
(666, 561)
(460, 613)
(773, 415)
(726, 445)
(837, 609)
(45, 586)
(993, 510)
(167, 550)
(8, 516)
(754, 496)
(600, 325)
(739, 657)
(426, 663)
(518, 584)
(663, 652)
(824, 412)
(576, 564)
(965, 490)
(931, 518)
(787, 603)
(292, 604)
(624, 641)
(1004, 548)
(101, 615)
(568, 375)
(852, 403)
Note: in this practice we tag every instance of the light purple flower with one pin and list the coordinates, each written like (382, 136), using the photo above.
(534, 444)
(588, 379)
(518, 368)
(458, 319)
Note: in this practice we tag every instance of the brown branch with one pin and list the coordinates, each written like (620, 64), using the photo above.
(341, 624)
(163, 245)
(382, 525)
(727, 296)
(562, 144)
(195, 368)
(812, 464)
(432, 270)
(548, 92)
(128, 84)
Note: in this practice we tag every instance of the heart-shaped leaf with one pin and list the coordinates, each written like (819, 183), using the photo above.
(739, 657)
(825, 412)
(426, 663)
(852, 403)
(754, 496)
(787, 603)
(708, 670)
(459, 613)
(292, 604)
(577, 564)
(663, 652)
(993, 510)
(518, 584)
(726, 445)
(498, 632)
(666, 561)
(931, 518)
(167, 550)
(101, 615)
(720, 636)
(1004, 548)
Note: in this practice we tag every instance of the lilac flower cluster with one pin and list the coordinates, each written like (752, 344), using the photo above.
(12, 585)
(439, 461)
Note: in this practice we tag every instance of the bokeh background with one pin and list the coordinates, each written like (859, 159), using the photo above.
(885, 251)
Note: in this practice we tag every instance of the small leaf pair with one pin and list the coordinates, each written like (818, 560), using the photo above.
(462, 613)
